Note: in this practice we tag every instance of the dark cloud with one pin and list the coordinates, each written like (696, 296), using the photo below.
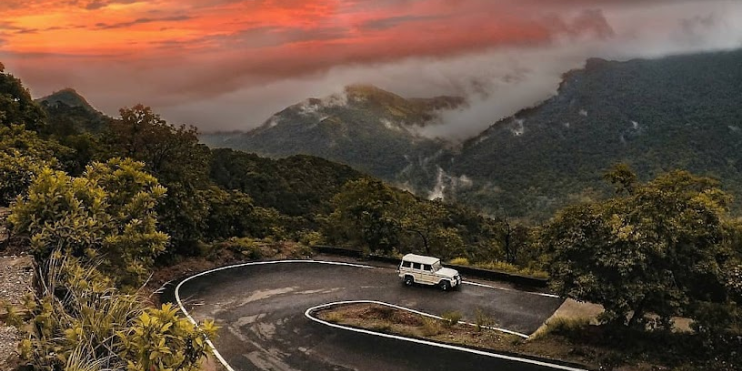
(98, 4)
(108, 26)
(11, 27)
(391, 22)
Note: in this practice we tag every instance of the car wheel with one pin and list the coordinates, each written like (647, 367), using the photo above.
(408, 280)
(445, 285)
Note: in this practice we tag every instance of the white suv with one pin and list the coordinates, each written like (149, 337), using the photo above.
(427, 270)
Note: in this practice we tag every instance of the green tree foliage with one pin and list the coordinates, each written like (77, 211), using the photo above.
(22, 155)
(298, 186)
(16, 105)
(107, 216)
(80, 321)
(172, 153)
(76, 127)
(175, 157)
(366, 213)
(370, 214)
(658, 249)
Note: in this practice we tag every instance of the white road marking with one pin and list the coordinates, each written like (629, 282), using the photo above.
(309, 311)
(190, 318)
(474, 351)
(411, 311)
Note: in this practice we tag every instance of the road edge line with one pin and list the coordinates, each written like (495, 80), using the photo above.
(195, 323)
(308, 314)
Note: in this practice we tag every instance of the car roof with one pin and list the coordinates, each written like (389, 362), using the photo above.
(420, 259)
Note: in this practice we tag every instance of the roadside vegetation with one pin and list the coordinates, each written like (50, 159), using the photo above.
(107, 204)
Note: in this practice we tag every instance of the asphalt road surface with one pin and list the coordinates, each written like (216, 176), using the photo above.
(261, 311)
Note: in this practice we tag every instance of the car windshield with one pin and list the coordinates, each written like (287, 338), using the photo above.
(436, 265)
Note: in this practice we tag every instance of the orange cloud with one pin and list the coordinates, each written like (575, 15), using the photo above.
(171, 51)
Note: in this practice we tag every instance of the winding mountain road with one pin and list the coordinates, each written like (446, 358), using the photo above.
(261, 308)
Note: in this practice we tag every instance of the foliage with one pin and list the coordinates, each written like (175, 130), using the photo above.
(639, 112)
(659, 249)
(80, 321)
(482, 320)
(16, 105)
(298, 186)
(430, 326)
(247, 247)
(366, 212)
(451, 318)
(107, 215)
(179, 162)
(22, 155)
(459, 261)
(373, 131)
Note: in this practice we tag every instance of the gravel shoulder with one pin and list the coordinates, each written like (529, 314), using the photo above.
(16, 281)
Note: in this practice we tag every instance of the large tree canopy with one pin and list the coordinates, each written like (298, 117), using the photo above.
(659, 248)
(16, 105)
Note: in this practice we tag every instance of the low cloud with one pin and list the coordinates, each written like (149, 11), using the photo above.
(503, 55)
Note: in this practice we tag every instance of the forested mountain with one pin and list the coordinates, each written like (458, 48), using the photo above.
(655, 115)
(370, 129)
(68, 111)
(680, 112)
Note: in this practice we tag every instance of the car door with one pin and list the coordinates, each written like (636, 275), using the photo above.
(417, 271)
(427, 274)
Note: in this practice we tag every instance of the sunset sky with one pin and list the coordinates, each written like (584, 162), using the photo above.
(226, 64)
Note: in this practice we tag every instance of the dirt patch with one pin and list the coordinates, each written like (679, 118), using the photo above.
(16, 281)
(385, 319)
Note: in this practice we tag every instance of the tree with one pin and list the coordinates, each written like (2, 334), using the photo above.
(106, 216)
(174, 155)
(429, 222)
(16, 105)
(171, 153)
(658, 249)
(22, 155)
(365, 213)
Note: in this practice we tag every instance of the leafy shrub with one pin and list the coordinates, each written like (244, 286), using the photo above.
(451, 318)
(81, 322)
(566, 326)
(247, 247)
(482, 319)
(431, 326)
(501, 266)
(460, 261)
(106, 216)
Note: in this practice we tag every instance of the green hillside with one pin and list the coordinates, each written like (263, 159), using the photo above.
(655, 115)
(370, 129)
(68, 111)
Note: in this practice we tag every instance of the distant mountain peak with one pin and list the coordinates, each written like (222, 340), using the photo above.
(69, 97)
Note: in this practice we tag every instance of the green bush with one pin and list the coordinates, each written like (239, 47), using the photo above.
(431, 326)
(482, 319)
(81, 322)
(451, 318)
(460, 261)
(247, 247)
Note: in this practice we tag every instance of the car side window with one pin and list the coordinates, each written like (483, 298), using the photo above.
(406, 264)
(415, 265)
(427, 267)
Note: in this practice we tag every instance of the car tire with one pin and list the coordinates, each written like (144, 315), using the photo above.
(445, 285)
(408, 280)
